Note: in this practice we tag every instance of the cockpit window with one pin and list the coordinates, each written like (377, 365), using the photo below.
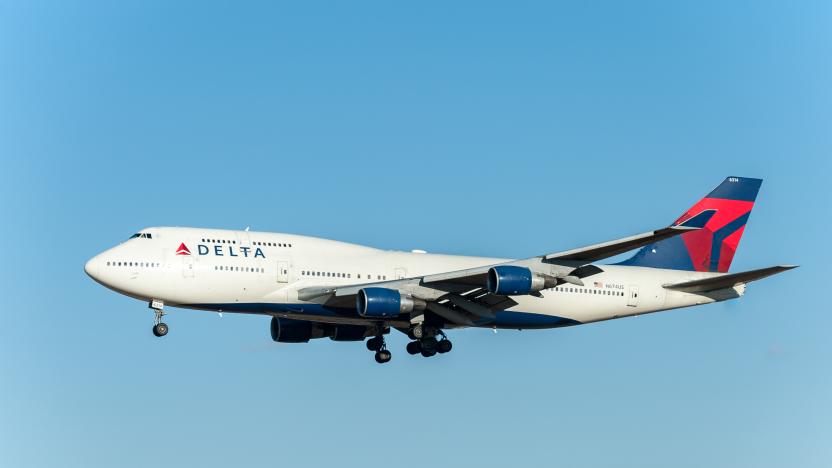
(142, 235)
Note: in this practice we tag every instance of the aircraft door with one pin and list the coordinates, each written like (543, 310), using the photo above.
(188, 266)
(282, 271)
(244, 241)
(632, 296)
(400, 273)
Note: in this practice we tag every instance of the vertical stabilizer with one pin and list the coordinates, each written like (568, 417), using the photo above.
(711, 248)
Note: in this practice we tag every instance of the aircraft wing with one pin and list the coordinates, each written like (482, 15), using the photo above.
(727, 281)
(604, 250)
(461, 296)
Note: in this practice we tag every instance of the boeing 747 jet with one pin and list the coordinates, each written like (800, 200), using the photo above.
(315, 288)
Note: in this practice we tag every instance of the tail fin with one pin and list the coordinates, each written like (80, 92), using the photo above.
(711, 248)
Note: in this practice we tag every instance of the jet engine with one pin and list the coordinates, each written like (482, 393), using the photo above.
(349, 333)
(510, 280)
(383, 302)
(286, 330)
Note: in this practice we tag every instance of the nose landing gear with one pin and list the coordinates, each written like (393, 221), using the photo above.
(159, 328)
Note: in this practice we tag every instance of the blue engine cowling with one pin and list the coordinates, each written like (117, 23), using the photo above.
(381, 302)
(291, 331)
(509, 280)
(378, 302)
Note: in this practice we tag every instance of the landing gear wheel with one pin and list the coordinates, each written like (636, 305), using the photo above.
(428, 353)
(418, 332)
(414, 347)
(160, 329)
(443, 346)
(428, 344)
(383, 356)
(375, 343)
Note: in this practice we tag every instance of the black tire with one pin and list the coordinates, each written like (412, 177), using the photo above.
(374, 344)
(383, 356)
(428, 344)
(418, 331)
(427, 353)
(444, 346)
(414, 348)
(160, 329)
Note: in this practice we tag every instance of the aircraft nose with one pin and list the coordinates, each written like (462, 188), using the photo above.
(92, 266)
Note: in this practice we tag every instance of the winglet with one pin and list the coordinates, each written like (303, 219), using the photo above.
(696, 222)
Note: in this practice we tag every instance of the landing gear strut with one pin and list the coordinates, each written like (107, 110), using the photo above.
(378, 345)
(159, 328)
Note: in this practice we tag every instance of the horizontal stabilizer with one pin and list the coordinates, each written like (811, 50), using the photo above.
(727, 281)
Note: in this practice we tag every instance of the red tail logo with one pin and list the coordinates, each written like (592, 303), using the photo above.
(183, 250)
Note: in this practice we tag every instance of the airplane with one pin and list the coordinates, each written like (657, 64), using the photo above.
(315, 288)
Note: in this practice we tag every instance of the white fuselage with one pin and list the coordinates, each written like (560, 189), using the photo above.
(259, 272)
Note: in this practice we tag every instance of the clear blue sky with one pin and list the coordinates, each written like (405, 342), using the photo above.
(472, 128)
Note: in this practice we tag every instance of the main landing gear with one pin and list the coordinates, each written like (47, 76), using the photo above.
(425, 342)
(378, 345)
(159, 328)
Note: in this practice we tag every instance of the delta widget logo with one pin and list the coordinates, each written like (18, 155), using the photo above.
(220, 250)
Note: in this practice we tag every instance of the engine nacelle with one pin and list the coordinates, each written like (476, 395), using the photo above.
(510, 280)
(349, 333)
(383, 302)
(286, 330)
